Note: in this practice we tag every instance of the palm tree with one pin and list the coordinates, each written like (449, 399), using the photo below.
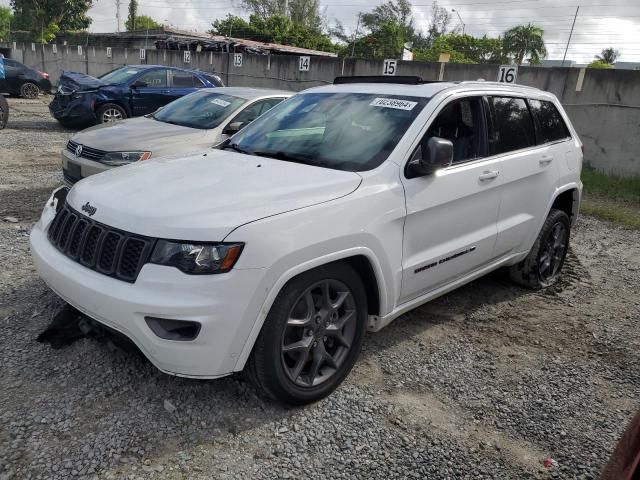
(608, 56)
(524, 40)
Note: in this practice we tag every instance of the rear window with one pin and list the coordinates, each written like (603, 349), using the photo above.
(186, 80)
(512, 125)
(551, 126)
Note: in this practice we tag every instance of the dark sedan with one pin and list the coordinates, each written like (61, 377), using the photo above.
(22, 80)
(130, 91)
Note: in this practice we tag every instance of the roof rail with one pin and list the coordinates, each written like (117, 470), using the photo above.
(403, 79)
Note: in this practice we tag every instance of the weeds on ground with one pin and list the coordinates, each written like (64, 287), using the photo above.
(611, 198)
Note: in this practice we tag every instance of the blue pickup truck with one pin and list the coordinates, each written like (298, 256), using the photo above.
(131, 91)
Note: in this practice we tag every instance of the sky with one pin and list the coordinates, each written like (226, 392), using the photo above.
(599, 24)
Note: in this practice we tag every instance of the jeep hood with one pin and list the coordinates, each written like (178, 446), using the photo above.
(203, 197)
(75, 81)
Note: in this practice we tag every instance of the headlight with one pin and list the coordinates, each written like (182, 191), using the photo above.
(197, 258)
(77, 93)
(115, 159)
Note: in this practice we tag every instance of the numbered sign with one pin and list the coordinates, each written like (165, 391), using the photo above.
(54, 48)
(507, 73)
(109, 53)
(143, 54)
(237, 60)
(33, 47)
(304, 63)
(15, 45)
(187, 56)
(79, 49)
(389, 67)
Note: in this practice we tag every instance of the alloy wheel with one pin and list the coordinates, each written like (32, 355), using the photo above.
(30, 90)
(554, 247)
(320, 330)
(111, 115)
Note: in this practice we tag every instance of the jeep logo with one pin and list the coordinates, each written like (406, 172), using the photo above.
(89, 209)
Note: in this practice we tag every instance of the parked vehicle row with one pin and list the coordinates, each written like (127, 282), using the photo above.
(18, 79)
(332, 214)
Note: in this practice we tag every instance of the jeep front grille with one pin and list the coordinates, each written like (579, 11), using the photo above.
(101, 248)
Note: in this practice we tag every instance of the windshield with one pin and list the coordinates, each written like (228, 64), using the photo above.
(199, 110)
(345, 131)
(121, 75)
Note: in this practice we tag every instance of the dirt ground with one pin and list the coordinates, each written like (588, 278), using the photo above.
(486, 382)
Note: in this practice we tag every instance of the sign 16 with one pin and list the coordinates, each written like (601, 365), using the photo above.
(507, 73)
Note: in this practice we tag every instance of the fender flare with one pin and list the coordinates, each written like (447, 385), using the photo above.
(297, 270)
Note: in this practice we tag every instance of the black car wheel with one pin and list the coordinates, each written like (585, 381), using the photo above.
(4, 112)
(312, 335)
(29, 90)
(543, 265)
(110, 112)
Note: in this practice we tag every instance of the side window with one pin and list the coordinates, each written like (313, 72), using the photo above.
(253, 111)
(551, 126)
(155, 78)
(462, 123)
(185, 80)
(512, 125)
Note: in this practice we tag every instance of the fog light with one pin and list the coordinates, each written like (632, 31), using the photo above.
(168, 329)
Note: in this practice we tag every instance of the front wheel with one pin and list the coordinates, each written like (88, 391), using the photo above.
(110, 112)
(312, 335)
(543, 265)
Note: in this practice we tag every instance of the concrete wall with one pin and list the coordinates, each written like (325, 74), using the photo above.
(604, 106)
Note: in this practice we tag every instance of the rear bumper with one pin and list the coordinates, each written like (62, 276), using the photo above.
(220, 303)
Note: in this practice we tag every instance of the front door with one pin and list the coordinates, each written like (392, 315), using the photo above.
(451, 224)
(152, 94)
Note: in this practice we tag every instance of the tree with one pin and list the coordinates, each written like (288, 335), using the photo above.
(464, 49)
(438, 23)
(142, 22)
(44, 18)
(524, 40)
(608, 56)
(130, 24)
(599, 64)
(300, 12)
(5, 23)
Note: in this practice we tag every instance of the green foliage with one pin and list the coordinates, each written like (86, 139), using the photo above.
(599, 64)
(300, 12)
(464, 49)
(44, 18)
(274, 29)
(5, 23)
(130, 24)
(608, 56)
(525, 40)
(142, 22)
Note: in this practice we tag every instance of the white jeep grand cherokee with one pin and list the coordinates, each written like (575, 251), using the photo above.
(337, 211)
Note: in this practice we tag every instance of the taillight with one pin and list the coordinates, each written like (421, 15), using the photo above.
(44, 75)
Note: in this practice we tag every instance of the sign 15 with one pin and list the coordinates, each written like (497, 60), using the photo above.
(507, 73)
(304, 63)
(389, 67)
(237, 59)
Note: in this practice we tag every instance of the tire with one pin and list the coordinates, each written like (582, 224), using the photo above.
(4, 112)
(29, 90)
(110, 112)
(301, 332)
(543, 265)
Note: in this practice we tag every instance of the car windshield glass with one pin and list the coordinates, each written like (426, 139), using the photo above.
(199, 110)
(121, 75)
(345, 131)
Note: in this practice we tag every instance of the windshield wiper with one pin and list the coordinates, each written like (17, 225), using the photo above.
(287, 157)
(236, 148)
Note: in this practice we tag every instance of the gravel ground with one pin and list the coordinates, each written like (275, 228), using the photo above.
(486, 382)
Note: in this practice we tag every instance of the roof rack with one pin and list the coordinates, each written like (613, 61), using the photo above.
(403, 79)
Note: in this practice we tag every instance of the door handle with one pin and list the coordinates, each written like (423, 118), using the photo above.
(488, 175)
(545, 160)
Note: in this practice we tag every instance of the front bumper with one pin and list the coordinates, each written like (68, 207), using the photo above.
(73, 111)
(76, 168)
(222, 304)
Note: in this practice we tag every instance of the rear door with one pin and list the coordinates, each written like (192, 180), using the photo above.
(14, 75)
(155, 94)
(183, 83)
(450, 229)
(529, 173)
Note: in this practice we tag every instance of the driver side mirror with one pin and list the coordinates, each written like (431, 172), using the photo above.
(436, 154)
(234, 127)
(138, 84)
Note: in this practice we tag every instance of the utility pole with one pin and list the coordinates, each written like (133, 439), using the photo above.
(355, 36)
(570, 34)
(459, 18)
(118, 15)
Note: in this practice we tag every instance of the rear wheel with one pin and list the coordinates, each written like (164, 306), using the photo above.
(4, 112)
(312, 335)
(543, 265)
(29, 90)
(110, 112)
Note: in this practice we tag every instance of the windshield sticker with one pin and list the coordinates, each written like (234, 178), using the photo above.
(393, 103)
(222, 103)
